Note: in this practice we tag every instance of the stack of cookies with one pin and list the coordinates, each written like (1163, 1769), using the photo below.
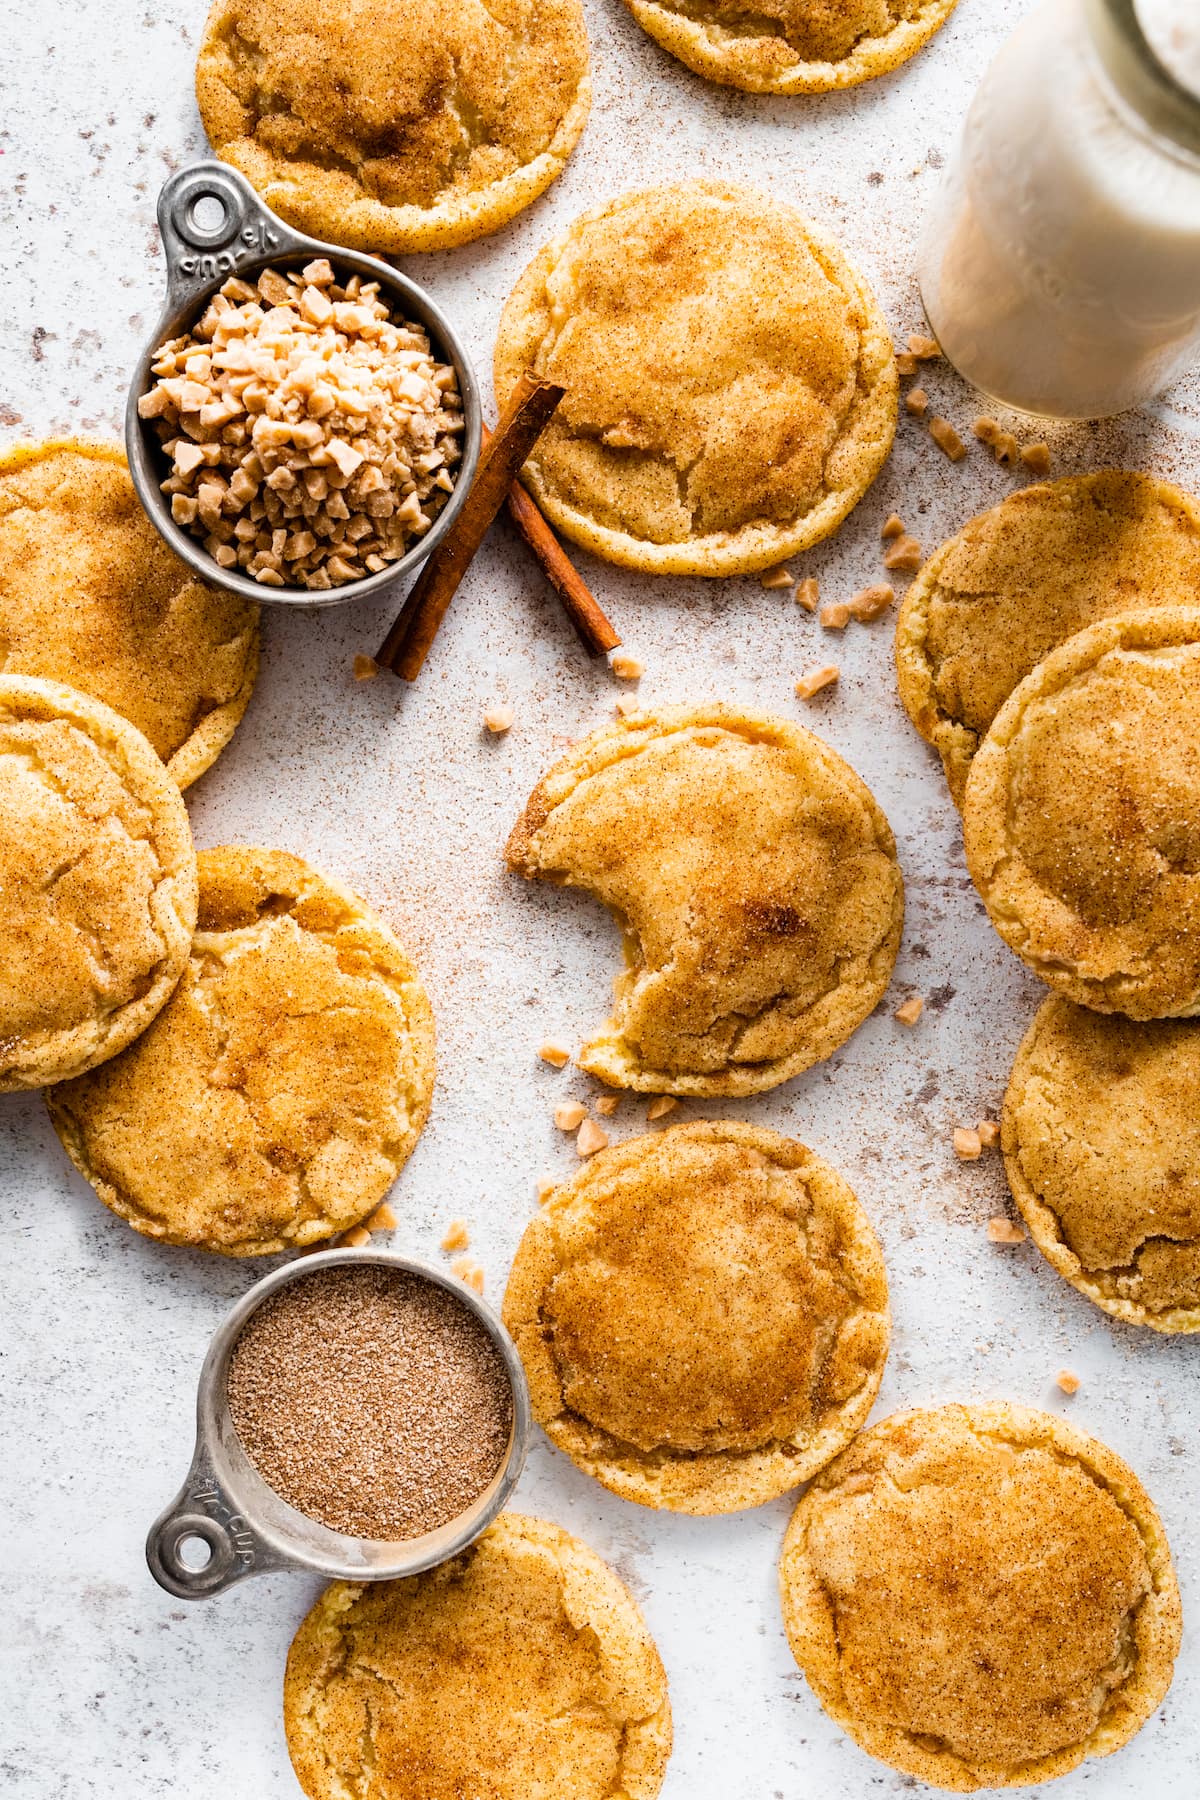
(1051, 654)
(236, 1053)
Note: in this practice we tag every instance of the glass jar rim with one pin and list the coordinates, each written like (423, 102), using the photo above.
(1141, 77)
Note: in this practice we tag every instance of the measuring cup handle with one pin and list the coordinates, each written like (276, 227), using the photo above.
(198, 253)
(201, 1511)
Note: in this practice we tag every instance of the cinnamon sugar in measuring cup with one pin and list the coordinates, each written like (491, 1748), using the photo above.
(371, 1400)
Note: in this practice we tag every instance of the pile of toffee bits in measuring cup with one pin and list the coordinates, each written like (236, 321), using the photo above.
(312, 436)
(371, 1400)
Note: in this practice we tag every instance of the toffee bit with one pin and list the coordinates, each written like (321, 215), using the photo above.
(569, 1114)
(456, 1235)
(659, 1108)
(835, 617)
(892, 527)
(871, 602)
(904, 554)
(967, 1144)
(1004, 1231)
(499, 719)
(591, 1138)
(911, 1010)
(808, 593)
(1036, 458)
(777, 578)
(365, 668)
(816, 679)
(557, 1054)
(916, 401)
(626, 667)
(947, 439)
(1068, 1381)
(469, 1272)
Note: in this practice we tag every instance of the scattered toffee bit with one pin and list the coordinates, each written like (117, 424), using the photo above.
(814, 680)
(370, 1400)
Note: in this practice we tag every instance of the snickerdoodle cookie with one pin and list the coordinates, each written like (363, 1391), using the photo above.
(97, 883)
(702, 1315)
(756, 883)
(90, 595)
(277, 1097)
(792, 46)
(520, 1668)
(1082, 816)
(389, 125)
(1102, 1146)
(1021, 579)
(981, 1596)
(731, 386)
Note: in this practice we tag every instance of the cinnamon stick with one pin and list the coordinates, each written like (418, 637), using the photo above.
(526, 416)
(594, 629)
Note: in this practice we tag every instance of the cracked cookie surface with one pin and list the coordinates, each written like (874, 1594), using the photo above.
(1019, 580)
(388, 125)
(97, 883)
(90, 595)
(981, 1596)
(1102, 1145)
(282, 1089)
(1082, 816)
(521, 1667)
(792, 46)
(731, 385)
(702, 1315)
(756, 882)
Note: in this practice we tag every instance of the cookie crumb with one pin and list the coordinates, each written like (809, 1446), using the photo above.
(807, 593)
(967, 1145)
(1068, 1381)
(910, 1012)
(556, 1053)
(658, 1109)
(606, 1105)
(835, 617)
(904, 554)
(1036, 458)
(626, 667)
(365, 668)
(591, 1138)
(498, 719)
(382, 1219)
(892, 527)
(916, 401)
(988, 1133)
(569, 1114)
(1003, 1231)
(468, 1271)
(925, 349)
(778, 578)
(946, 438)
(457, 1237)
(871, 602)
(821, 675)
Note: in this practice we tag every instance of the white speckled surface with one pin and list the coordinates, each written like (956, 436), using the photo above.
(113, 1688)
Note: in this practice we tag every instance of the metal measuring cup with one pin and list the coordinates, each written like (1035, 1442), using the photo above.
(248, 1528)
(200, 258)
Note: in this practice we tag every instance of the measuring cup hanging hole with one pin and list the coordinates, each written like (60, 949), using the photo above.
(207, 218)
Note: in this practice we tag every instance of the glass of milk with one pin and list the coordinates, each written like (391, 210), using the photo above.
(1060, 264)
